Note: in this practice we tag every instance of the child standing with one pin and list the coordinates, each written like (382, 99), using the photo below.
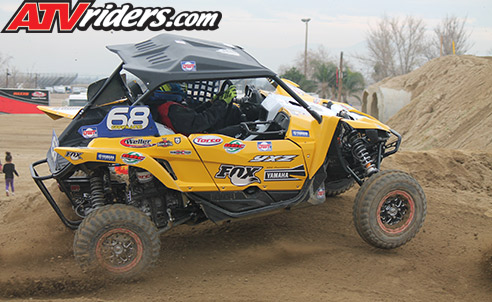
(9, 170)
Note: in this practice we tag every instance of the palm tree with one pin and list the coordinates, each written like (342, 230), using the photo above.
(353, 83)
(325, 75)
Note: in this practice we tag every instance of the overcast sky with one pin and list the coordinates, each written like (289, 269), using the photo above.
(271, 31)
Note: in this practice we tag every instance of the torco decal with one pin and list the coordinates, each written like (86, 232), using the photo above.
(273, 158)
(132, 158)
(89, 132)
(302, 133)
(208, 140)
(284, 174)
(234, 147)
(239, 175)
(106, 156)
(165, 143)
(180, 152)
(188, 65)
(136, 142)
(264, 146)
(74, 155)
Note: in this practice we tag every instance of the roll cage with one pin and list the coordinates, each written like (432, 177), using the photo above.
(172, 58)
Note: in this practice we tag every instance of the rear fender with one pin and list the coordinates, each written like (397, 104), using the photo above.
(78, 156)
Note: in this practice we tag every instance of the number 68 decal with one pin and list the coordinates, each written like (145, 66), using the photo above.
(134, 118)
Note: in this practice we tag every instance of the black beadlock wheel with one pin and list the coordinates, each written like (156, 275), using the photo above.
(337, 187)
(118, 240)
(389, 209)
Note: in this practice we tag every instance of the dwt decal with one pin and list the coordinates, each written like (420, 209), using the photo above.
(239, 175)
(188, 65)
(264, 146)
(89, 132)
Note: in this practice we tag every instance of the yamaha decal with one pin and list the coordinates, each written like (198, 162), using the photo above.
(285, 174)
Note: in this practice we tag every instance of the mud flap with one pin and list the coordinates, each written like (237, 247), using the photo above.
(317, 196)
(317, 190)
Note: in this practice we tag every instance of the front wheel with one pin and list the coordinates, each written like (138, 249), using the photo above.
(117, 240)
(389, 209)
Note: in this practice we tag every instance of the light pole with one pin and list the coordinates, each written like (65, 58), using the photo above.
(7, 79)
(305, 20)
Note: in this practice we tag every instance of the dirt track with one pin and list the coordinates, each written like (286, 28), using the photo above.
(308, 254)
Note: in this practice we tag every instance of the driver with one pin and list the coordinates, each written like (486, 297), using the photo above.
(177, 115)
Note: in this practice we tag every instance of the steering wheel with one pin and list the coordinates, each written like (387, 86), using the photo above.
(225, 85)
(254, 96)
(250, 103)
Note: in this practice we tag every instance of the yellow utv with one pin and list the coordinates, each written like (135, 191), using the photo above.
(130, 178)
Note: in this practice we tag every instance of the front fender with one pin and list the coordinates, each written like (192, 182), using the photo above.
(367, 123)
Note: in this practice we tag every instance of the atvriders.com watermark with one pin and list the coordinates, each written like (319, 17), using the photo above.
(41, 17)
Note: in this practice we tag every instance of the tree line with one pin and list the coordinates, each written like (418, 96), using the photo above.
(395, 46)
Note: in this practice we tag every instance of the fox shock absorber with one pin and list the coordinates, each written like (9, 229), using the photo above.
(359, 151)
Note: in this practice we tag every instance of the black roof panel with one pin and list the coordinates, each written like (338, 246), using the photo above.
(168, 57)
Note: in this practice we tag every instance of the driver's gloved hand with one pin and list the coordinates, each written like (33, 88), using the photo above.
(229, 94)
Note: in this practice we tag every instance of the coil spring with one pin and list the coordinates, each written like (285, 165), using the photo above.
(97, 191)
(360, 152)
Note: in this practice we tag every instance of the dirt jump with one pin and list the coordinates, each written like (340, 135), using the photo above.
(309, 254)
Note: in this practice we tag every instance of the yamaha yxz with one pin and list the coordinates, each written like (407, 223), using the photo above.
(129, 178)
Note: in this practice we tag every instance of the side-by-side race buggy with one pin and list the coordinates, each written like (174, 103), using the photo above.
(129, 178)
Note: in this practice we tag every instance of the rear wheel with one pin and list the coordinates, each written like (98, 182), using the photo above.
(118, 240)
(389, 209)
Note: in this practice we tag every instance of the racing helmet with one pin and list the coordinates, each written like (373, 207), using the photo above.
(173, 91)
(175, 88)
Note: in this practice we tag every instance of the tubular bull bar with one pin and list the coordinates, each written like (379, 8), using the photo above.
(39, 180)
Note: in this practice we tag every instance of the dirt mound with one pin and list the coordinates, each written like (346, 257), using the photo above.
(456, 170)
(451, 104)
